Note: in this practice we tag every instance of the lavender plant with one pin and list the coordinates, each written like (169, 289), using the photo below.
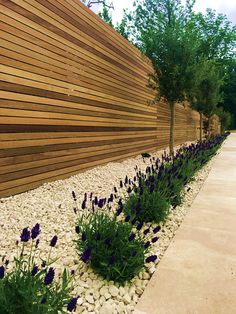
(151, 193)
(114, 249)
(30, 287)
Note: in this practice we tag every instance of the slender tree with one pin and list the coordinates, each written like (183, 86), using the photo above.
(161, 29)
(207, 92)
(216, 41)
(225, 118)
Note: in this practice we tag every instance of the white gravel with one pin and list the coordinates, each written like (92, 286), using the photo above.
(51, 205)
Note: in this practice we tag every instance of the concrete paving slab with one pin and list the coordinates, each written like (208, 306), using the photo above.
(198, 271)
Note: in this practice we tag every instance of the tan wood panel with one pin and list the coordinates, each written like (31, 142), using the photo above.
(32, 177)
(56, 13)
(27, 79)
(71, 46)
(89, 105)
(58, 159)
(74, 95)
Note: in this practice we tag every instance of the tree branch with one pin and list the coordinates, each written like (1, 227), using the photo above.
(90, 3)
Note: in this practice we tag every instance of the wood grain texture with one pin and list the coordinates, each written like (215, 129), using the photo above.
(74, 94)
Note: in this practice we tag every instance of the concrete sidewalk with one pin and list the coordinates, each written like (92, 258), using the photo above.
(198, 271)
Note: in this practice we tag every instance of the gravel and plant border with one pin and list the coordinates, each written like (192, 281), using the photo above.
(52, 206)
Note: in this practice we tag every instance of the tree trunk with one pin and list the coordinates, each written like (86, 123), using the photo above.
(172, 127)
(200, 126)
(208, 128)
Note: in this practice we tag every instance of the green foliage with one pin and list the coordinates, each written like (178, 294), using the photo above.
(153, 206)
(164, 36)
(229, 90)
(105, 243)
(106, 16)
(29, 288)
(207, 90)
(225, 119)
(216, 36)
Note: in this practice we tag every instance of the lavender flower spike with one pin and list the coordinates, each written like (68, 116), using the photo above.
(53, 241)
(35, 231)
(72, 304)
(25, 235)
(2, 272)
(34, 271)
(49, 276)
(157, 229)
(151, 258)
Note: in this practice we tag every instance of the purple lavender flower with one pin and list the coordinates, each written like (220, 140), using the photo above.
(154, 239)
(151, 258)
(111, 260)
(147, 244)
(53, 241)
(119, 210)
(2, 272)
(126, 180)
(96, 200)
(133, 222)
(25, 235)
(146, 231)
(77, 229)
(121, 183)
(129, 190)
(74, 195)
(7, 262)
(44, 300)
(100, 203)
(35, 231)
(127, 218)
(139, 226)
(86, 254)
(43, 264)
(131, 237)
(49, 276)
(34, 271)
(108, 241)
(72, 304)
(157, 229)
(84, 237)
(83, 206)
(115, 189)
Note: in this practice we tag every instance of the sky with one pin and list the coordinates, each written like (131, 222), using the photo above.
(228, 7)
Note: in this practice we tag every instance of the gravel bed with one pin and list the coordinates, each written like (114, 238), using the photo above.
(52, 205)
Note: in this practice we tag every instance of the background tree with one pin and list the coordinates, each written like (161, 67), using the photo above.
(229, 91)
(106, 15)
(161, 31)
(225, 119)
(207, 92)
(216, 43)
(90, 3)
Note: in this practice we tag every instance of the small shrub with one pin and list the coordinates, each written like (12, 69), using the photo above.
(30, 288)
(111, 247)
(147, 207)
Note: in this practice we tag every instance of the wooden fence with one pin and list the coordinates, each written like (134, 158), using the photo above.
(73, 95)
